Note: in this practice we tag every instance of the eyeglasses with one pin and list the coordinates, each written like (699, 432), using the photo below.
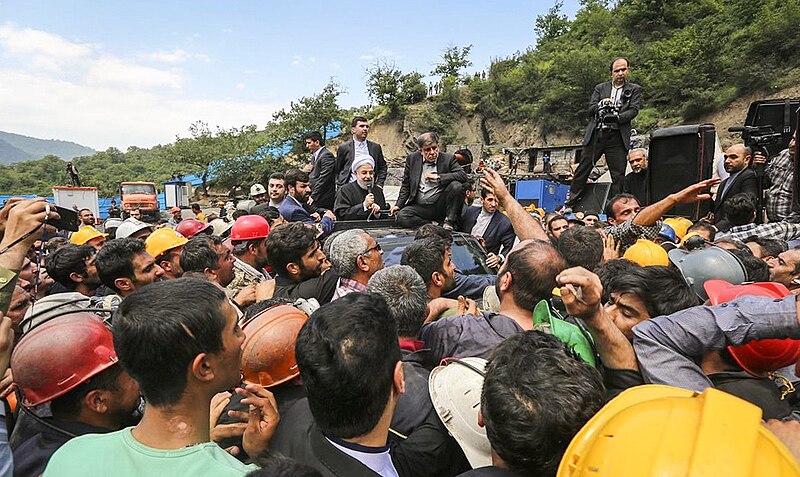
(376, 247)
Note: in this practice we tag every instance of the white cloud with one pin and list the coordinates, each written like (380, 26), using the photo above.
(301, 61)
(51, 87)
(226, 30)
(377, 53)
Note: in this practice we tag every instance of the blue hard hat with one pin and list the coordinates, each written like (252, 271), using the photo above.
(667, 232)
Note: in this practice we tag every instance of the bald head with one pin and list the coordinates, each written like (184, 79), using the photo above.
(531, 268)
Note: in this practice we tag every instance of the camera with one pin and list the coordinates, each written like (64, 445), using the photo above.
(607, 117)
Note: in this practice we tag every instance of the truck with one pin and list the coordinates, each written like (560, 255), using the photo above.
(79, 198)
(139, 195)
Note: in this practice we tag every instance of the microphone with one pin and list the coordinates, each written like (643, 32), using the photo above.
(369, 187)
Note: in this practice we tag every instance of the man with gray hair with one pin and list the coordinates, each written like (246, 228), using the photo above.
(355, 256)
(432, 188)
(635, 183)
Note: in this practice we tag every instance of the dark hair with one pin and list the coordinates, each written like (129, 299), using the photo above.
(287, 243)
(772, 247)
(315, 136)
(553, 219)
(56, 243)
(627, 62)
(195, 206)
(738, 244)
(68, 406)
(534, 266)
(705, 226)
(276, 175)
(663, 290)
(276, 465)
(609, 208)
(115, 259)
(293, 176)
(581, 247)
(267, 211)
(536, 396)
(426, 256)
(239, 213)
(200, 253)
(756, 270)
(485, 192)
(81, 211)
(347, 352)
(433, 230)
(68, 259)
(262, 305)
(405, 293)
(610, 269)
(358, 119)
(740, 209)
(156, 349)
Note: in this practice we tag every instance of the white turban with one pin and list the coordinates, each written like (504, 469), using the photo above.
(361, 160)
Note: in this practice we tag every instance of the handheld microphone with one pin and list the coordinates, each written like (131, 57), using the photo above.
(369, 187)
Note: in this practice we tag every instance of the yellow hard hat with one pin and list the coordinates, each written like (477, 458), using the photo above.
(656, 430)
(162, 240)
(645, 253)
(84, 234)
(679, 224)
(690, 235)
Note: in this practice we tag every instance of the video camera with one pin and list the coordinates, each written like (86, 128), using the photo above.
(607, 117)
(759, 138)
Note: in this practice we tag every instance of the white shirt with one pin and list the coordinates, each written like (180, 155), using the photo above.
(616, 94)
(377, 461)
(361, 150)
(482, 223)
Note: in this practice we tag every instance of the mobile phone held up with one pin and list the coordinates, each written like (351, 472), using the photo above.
(68, 219)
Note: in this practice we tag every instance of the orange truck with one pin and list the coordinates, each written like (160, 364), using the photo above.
(139, 195)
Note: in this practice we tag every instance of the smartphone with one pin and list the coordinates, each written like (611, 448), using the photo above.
(68, 219)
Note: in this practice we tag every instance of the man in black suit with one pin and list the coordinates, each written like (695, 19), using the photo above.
(618, 102)
(493, 226)
(323, 171)
(359, 146)
(432, 186)
(742, 180)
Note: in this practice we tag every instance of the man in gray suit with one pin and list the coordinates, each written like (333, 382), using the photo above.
(359, 146)
(433, 186)
(612, 107)
(323, 171)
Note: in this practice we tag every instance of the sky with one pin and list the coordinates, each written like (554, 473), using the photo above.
(117, 73)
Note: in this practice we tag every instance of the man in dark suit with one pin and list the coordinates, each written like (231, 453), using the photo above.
(493, 226)
(323, 171)
(612, 135)
(359, 146)
(432, 187)
(742, 180)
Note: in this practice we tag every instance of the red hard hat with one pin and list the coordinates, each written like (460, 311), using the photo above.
(191, 227)
(249, 227)
(268, 349)
(756, 357)
(57, 356)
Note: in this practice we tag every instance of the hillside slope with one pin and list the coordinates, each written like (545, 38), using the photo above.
(36, 148)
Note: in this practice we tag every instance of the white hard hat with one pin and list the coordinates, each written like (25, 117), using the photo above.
(456, 394)
(111, 223)
(129, 227)
(220, 226)
(257, 189)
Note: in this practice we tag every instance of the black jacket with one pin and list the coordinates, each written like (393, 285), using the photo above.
(745, 182)
(32, 456)
(350, 202)
(322, 287)
(447, 167)
(630, 103)
(499, 233)
(344, 161)
(323, 179)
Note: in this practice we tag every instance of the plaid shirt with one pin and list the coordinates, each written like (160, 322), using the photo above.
(779, 194)
(345, 286)
(773, 230)
(627, 233)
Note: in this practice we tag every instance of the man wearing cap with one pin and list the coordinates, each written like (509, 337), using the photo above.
(347, 152)
(69, 363)
(176, 216)
(88, 235)
(432, 188)
(166, 246)
(133, 228)
(323, 171)
(258, 193)
(248, 236)
(360, 200)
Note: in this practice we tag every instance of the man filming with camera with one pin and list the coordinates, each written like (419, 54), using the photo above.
(612, 107)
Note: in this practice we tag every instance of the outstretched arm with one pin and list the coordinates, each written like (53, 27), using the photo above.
(525, 226)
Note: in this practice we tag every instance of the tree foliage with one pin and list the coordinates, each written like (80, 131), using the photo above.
(454, 59)
(390, 87)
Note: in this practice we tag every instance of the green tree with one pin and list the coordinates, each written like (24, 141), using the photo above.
(311, 113)
(390, 87)
(454, 59)
(552, 24)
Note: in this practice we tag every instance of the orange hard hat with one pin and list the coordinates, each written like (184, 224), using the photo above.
(268, 349)
(762, 356)
(249, 227)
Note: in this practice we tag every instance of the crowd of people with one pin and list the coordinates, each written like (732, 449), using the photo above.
(270, 342)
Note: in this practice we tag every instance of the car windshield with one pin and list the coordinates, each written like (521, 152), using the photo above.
(148, 189)
(466, 253)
